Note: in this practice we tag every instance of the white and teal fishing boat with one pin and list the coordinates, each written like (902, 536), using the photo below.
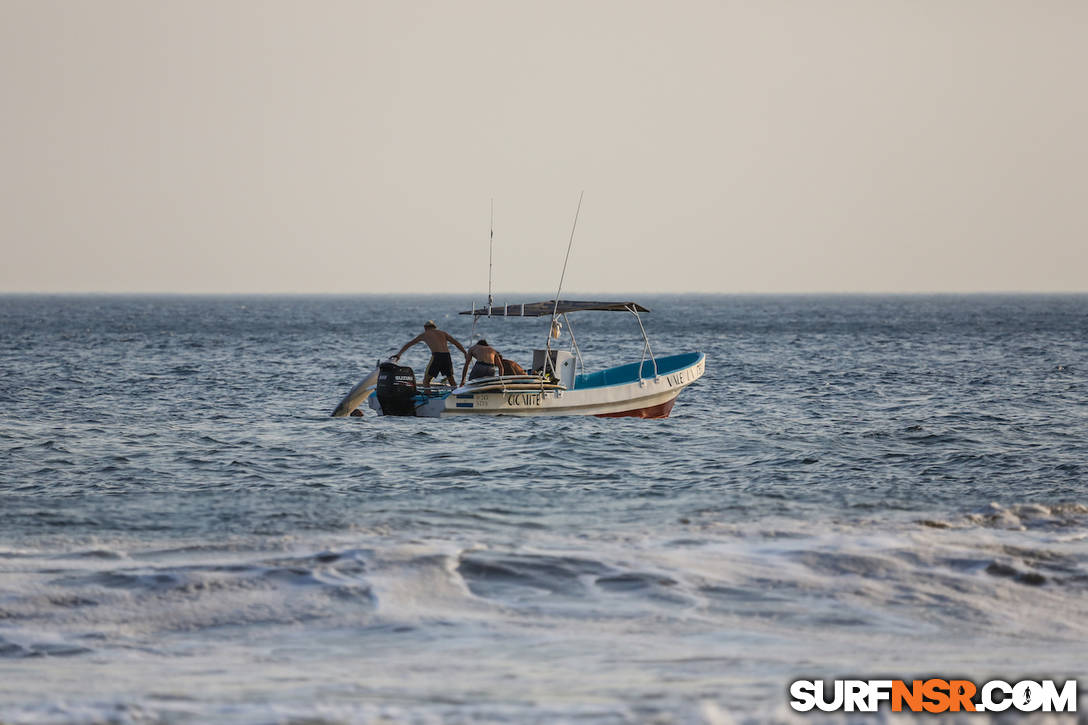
(558, 383)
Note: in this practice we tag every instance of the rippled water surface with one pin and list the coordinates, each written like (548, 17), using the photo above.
(858, 486)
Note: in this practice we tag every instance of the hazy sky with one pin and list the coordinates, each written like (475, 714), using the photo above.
(768, 146)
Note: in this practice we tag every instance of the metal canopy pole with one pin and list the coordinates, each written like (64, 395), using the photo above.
(645, 347)
(574, 344)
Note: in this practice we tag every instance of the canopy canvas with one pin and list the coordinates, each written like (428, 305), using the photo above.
(546, 309)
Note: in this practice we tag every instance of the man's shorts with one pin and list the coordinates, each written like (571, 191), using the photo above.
(482, 370)
(441, 365)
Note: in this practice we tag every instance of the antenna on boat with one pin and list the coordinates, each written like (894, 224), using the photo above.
(558, 292)
(490, 255)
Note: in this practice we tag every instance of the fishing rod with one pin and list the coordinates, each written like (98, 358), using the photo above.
(562, 276)
(490, 257)
(567, 258)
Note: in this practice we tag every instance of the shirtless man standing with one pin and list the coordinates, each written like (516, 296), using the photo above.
(437, 340)
(488, 361)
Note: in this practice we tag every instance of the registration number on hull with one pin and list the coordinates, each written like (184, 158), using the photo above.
(524, 400)
(505, 400)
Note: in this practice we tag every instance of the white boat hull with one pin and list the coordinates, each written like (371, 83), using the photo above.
(650, 397)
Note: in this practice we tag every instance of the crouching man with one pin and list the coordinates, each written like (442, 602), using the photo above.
(488, 362)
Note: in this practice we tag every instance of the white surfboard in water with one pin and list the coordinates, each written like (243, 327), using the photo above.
(357, 395)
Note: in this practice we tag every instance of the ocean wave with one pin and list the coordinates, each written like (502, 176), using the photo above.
(18, 644)
(1020, 516)
(141, 600)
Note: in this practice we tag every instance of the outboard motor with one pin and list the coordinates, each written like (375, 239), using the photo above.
(396, 389)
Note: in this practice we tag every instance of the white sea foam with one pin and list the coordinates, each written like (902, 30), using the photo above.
(721, 606)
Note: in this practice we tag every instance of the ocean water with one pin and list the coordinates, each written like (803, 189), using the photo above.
(859, 486)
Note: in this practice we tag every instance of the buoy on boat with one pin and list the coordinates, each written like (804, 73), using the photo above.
(557, 329)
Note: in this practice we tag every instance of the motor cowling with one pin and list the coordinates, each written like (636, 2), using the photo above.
(396, 389)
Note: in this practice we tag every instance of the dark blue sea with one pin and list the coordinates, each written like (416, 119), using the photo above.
(859, 486)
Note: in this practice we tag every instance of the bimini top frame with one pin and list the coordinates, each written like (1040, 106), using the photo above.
(560, 308)
(550, 307)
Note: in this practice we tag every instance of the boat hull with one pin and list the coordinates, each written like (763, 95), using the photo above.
(611, 397)
(653, 411)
